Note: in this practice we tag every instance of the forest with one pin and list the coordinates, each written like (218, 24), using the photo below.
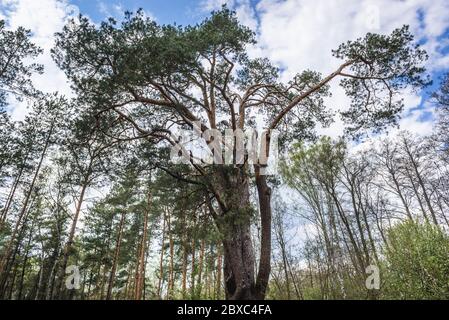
(92, 208)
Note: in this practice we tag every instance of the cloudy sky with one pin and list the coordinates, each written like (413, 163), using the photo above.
(294, 34)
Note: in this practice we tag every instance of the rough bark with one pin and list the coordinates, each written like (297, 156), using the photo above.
(234, 222)
(263, 275)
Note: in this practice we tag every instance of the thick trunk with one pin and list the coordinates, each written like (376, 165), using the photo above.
(239, 264)
(235, 224)
(240, 280)
(263, 276)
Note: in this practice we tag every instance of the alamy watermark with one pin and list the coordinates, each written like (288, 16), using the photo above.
(235, 147)
(72, 282)
(373, 280)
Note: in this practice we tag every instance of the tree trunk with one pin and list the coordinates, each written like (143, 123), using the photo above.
(171, 276)
(192, 272)
(264, 193)
(12, 193)
(184, 260)
(200, 270)
(219, 271)
(239, 263)
(69, 244)
(25, 261)
(141, 266)
(9, 263)
(116, 255)
(421, 182)
(25, 203)
(239, 257)
(161, 261)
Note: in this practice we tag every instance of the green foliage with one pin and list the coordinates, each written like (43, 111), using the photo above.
(15, 73)
(138, 82)
(321, 160)
(416, 262)
(15, 47)
(384, 64)
(119, 61)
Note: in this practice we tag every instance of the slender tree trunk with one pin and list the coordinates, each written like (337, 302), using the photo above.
(9, 263)
(25, 203)
(171, 277)
(279, 232)
(421, 182)
(359, 223)
(367, 226)
(91, 276)
(295, 281)
(103, 282)
(219, 271)
(417, 195)
(13, 281)
(360, 265)
(193, 271)
(199, 286)
(24, 264)
(116, 256)
(184, 270)
(141, 266)
(41, 279)
(400, 194)
(161, 260)
(12, 193)
(69, 244)
(128, 283)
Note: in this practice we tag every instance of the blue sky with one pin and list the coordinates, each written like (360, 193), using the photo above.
(182, 12)
(294, 34)
(179, 11)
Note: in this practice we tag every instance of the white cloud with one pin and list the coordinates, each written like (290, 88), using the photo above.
(243, 8)
(110, 9)
(295, 34)
(43, 18)
(209, 5)
(103, 8)
(300, 34)
(117, 10)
